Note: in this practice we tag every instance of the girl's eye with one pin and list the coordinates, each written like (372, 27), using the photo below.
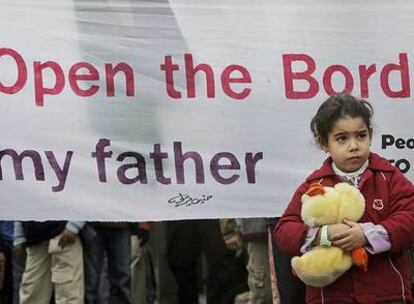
(341, 139)
(362, 135)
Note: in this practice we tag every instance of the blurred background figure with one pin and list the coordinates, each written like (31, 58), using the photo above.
(114, 240)
(226, 273)
(253, 234)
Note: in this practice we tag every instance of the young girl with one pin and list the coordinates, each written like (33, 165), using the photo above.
(343, 129)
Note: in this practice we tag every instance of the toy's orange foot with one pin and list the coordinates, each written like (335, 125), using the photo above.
(360, 258)
(315, 189)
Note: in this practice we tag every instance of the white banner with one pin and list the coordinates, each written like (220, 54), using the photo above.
(153, 110)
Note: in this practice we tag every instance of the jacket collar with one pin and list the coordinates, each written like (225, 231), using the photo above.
(376, 163)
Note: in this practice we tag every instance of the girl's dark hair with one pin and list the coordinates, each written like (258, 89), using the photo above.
(336, 107)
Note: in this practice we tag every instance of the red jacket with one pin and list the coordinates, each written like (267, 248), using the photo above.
(389, 198)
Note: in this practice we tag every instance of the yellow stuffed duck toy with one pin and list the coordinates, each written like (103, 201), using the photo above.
(322, 265)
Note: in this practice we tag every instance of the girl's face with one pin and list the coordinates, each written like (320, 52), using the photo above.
(348, 143)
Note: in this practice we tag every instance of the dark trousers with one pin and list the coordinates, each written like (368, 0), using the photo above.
(226, 272)
(116, 243)
(6, 293)
(291, 289)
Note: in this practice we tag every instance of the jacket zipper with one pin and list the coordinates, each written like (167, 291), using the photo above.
(323, 300)
(401, 278)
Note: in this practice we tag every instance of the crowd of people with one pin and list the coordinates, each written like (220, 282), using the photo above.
(171, 262)
(229, 260)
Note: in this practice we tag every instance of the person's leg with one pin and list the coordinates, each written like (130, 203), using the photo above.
(149, 275)
(68, 275)
(93, 253)
(187, 279)
(138, 272)
(18, 265)
(259, 273)
(291, 289)
(118, 248)
(166, 286)
(103, 290)
(7, 290)
(183, 252)
(227, 275)
(36, 286)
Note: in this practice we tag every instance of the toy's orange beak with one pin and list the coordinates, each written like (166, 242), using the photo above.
(360, 258)
(315, 189)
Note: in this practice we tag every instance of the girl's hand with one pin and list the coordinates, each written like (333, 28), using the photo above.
(335, 229)
(350, 239)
